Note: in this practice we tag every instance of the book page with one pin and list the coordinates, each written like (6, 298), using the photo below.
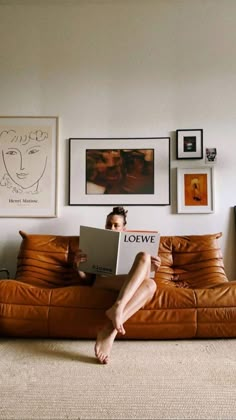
(101, 247)
(133, 242)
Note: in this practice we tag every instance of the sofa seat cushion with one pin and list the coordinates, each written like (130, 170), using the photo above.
(216, 311)
(78, 311)
(81, 311)
(23, 309)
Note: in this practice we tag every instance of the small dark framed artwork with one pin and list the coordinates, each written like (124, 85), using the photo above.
(211, 155)
(189, 144)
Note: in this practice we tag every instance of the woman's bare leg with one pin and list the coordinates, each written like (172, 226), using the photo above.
(141, 297)
(104, 342)
(107, 335)
(140, 270)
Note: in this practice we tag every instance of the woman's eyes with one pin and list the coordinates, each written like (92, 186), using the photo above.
(115, 225)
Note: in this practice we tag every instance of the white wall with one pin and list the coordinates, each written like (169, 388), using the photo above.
(125, 68)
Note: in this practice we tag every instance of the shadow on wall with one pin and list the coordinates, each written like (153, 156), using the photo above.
(9, 254)
(229, 256)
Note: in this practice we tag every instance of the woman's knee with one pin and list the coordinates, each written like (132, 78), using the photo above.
(143, 257)
(150, 286)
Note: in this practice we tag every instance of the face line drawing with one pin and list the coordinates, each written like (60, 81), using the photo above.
(30, 150)
(22, 175)
(24, 167)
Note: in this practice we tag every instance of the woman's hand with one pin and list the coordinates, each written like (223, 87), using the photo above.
(155, 263)
(80, 257)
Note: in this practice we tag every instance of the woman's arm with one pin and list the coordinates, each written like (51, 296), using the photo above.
(80, 256)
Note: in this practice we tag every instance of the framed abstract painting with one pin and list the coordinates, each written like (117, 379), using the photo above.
(127, 171)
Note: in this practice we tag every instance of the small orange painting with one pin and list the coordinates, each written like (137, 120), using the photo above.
(195, 189)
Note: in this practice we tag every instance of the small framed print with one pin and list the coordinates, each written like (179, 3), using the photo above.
(211, 155)
(195, 190)
(189, 144)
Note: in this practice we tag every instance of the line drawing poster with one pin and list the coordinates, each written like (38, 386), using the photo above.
(28, 166)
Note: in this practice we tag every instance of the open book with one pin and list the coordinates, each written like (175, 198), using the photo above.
(112, 252)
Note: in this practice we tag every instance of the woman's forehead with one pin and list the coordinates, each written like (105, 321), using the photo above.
(115, 218)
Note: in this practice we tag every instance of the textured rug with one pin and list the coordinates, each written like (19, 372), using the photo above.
(56, 379)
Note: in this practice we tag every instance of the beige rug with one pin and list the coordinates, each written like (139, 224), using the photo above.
(56, 379)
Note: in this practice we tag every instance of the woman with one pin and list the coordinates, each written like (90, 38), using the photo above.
(135, 289)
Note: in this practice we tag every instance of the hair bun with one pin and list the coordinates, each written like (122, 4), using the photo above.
(120, 210)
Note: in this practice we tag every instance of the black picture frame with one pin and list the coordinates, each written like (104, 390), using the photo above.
(88, 189)
(189, 144)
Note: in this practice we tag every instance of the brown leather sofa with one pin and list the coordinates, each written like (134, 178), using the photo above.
(194, 299)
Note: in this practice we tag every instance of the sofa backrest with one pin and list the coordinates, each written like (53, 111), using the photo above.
(193, 261)
(47, 260)
(187, 261)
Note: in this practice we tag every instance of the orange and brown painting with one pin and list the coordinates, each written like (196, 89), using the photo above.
(195, 189)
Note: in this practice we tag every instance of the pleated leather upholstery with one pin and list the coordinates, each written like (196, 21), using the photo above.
(47, 299)
(47, 260)
(191, 261)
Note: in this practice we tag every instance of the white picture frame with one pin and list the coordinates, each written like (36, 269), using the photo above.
(195, 190)
(28, 170)
(83, 190)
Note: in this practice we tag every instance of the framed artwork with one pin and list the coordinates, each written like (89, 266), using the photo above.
(195, 190)
(28, 170)
(112, 171)
(189, 144)
(211, 155)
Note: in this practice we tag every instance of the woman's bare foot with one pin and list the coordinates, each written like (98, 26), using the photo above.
(103, 346)
(115, 314)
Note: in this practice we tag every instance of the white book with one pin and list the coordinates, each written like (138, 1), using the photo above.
(111, 252)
